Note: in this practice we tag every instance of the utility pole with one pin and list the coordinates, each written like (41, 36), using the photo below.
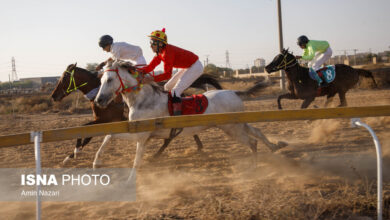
(345, 55)
(354, 56)
(227, 60)
(207, 60)
(14, 75)
(282, 74)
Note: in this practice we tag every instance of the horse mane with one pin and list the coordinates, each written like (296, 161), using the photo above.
(130, 68)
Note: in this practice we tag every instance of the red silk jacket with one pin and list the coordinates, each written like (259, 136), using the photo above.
(172, 56)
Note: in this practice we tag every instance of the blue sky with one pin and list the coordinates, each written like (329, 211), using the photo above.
(46, 36)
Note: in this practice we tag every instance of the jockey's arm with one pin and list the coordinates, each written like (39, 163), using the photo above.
(150, 67)
(102, 64)
(308, 53)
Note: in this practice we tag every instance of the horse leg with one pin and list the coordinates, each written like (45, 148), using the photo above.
(79, 145)
(307, 102)
(255, 132)
(80, 148)
(162, 148)
(285, 96)
(174, 133)
(237, 132)
(198, 142)
(328, 100)
(138, 155)
(74, 153)
(96, 161)
(343, 100)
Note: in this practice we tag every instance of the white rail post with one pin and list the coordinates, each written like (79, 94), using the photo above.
(37, 138)
(356, 122)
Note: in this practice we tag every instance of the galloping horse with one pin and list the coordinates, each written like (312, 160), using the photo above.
(151, 102)
(301, 86)
(75, 78)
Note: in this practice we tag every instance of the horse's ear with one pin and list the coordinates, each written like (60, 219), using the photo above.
(75, 64)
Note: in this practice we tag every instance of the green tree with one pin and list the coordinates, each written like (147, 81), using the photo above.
(218, 71)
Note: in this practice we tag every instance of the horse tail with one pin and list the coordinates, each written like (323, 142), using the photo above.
(251, 92)
(206, 79)
(367, 74)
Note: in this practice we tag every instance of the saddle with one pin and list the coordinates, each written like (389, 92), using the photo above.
(191, 105)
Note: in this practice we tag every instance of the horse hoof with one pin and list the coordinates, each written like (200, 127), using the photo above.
(282, 144)
(278, 146)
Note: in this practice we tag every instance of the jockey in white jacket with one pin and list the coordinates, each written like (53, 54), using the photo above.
(122, 51)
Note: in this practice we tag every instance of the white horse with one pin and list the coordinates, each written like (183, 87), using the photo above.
(149, 101)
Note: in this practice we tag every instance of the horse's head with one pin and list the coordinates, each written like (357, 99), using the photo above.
(60, 91)
(283, 61)
(71, 80)
(119, 77)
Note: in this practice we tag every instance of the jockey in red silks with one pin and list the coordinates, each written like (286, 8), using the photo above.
(190, 67)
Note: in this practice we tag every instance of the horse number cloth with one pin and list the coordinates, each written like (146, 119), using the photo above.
(327, 73)
(191, 105)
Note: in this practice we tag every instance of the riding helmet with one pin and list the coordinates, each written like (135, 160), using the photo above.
(105, 40)
(159, 36)
(302, 40)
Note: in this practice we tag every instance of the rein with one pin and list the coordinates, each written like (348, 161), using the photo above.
(69, 90)
(122, 88)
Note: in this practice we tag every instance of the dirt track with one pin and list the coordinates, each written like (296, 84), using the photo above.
(326, 172)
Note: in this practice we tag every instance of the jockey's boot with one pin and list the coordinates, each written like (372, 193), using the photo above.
(317, 77)
(176, 105)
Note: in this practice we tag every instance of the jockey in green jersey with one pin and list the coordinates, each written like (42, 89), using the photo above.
(317, 52)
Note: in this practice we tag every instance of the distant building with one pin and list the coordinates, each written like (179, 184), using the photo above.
(259, 62)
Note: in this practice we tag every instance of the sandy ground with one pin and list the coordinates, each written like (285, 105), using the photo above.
(328, 170)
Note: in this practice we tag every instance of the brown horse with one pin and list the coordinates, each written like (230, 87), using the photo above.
(75, 78)
(301, 86)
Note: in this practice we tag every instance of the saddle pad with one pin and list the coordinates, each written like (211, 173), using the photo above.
(327, 73)
(190, 105)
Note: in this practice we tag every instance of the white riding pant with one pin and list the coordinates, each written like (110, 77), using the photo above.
(319, 59)
(184, 78)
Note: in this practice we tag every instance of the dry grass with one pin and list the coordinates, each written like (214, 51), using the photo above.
(75, 102)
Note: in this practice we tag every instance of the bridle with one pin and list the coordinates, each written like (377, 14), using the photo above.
(286, 64)
(124, 89)
(72, 80)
